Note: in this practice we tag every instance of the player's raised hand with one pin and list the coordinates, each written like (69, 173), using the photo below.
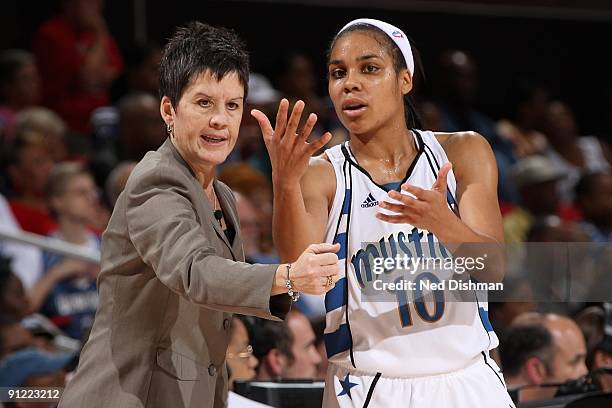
(289, 148)
(424, 209)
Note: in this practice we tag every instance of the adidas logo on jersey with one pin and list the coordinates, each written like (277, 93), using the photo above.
(369, 202)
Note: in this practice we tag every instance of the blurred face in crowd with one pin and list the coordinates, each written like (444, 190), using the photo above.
(249, 225)
(299, 81)
(140, 129)
(569, 350)
(541, 198)
(13, 301)
(145, 77)
(79, 200)
(206, 121)
(560, 124)
(55, 379)
(240, 360)
(597, 207)
(250, 140)
(15, 337)
(24, 90)
(85, 13)
(30, 173)
(366, 90)
(306, 356)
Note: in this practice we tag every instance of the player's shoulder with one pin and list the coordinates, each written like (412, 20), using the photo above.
(461, 140)
(320, 175)
(320, 165)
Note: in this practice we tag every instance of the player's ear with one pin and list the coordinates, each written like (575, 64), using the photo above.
(405, 81)
(535, 371)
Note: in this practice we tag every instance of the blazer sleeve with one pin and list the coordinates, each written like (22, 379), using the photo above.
(164, 229)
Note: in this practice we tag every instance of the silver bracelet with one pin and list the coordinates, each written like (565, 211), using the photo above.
(292, 294)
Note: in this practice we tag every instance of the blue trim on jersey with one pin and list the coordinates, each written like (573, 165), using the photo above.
(346, 203)
(338, 341)
(393, 186)
(337, 296)
(484, 316)
(341, 239)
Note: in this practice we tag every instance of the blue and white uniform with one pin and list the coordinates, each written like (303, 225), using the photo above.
(398, 352)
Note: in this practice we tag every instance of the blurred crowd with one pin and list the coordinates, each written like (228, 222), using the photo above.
(77, 112)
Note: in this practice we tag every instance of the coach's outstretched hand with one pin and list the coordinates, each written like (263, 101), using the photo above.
(315, 271)
(289, 149)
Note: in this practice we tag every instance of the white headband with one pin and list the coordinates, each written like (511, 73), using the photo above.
(397, 35)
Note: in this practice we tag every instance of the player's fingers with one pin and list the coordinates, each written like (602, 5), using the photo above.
(394, 219)
(397, 208)
(418, 192)
(440, 184)
(308, 126)
(281, 118)
(294, 119)
(264, 124)
(319, 143)
(405, 199)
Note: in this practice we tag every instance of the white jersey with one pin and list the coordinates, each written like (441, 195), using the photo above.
(396, 338)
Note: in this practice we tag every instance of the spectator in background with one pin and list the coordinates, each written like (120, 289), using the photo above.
(28, 165)
(456, 96)
(25, 260)
(318, 326)
(536, 179)
(141, 74)
(50, 125)
(250, 147)
(295, 76)
(542, 349)
(35, 368)
(251, 233)
(593, 197)
(592, 321)
(19, 88)
(306, 358)
(253, 185)
(573, 154)
(67, 291)
(286, 350)
(78, 60)
(431, 116)
(241, 362)
(126, 132)
(272, 343)
(14, 337)
(14, 303)
(296, 79)
(116, 181)
(526, 105)
(140, 126)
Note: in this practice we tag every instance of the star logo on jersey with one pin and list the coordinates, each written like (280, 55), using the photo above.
(346, 385)
(370, 201)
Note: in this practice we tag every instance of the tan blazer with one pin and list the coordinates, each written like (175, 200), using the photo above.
(168, 286)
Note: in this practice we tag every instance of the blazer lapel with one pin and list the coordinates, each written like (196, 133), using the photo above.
(231, 218)
(169, 149)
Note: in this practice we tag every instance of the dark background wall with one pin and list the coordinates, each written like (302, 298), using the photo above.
(567, 48)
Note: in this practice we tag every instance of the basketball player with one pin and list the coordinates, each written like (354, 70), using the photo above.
(388, 354)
